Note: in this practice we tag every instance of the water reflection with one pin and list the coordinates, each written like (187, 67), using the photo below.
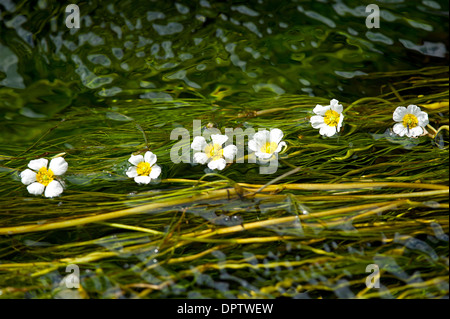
(140, 55)
(252, 45)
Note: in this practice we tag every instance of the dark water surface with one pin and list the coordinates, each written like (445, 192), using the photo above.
(163, 64)
(225, 51)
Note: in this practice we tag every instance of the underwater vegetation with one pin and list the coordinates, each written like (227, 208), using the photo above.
(326, 153)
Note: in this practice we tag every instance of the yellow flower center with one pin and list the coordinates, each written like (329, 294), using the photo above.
(269, 147)
(331, 118)
(143, 169)
(410, 121)
(214, 151)
(44, 176)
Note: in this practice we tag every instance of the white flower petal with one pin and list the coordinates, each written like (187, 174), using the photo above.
(252, 145)
(280, 146)
(413, 109)
(335, 106)
(219, 139)
(399, 113)
(150, 158)
(28, 176)
(327, 130)
(276, 135)
(229, 151)
(317, 121)
(423, 119)
(414, 132)
(136, 159)
(58, 166)
(261, 138)
(37, 164)
(53, 189)
(132, 172)
(262, 155)
(199, 143)
(320, 110)
(36, 188)
(399, 129)
(341, 119)
(142, 179)
(200, 157)
(156, 171)
(217, 164)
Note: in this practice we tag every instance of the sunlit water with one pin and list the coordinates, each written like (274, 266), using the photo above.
(141, 52)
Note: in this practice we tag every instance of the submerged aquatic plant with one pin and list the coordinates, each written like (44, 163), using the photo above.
(144, 168)
(328, 119)
(411, 121)
(213, 153)
(265, 144)
(308, 231)
(41, 179)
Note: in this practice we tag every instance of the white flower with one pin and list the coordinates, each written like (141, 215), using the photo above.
(265, 144)
(328, 118)
(144, 169)
(411, 121)
(213, 153)
(41, 180)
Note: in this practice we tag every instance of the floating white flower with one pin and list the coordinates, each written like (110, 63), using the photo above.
(265, 144)
(144, 169)
(213, 153)
(328, 118)
(411, 121)
(42, 180)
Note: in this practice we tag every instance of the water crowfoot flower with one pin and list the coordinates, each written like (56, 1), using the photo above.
(144, 169)
(411, 121)
(213, 153)
(41, 179)
(265, 144)
(328, 119)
